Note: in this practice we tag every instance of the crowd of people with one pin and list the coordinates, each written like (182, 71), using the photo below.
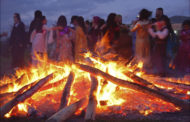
(66, 43)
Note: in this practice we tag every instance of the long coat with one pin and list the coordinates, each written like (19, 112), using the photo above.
(18, 44)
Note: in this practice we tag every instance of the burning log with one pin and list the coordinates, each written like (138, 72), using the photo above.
(14, 94)
(11, 85)
(66, 91)
(104, 84)
(166, 97)
(171, 84)
(6, 97)
(185, 80)
(3, 97)
(140, 80)
(91, 108)
(20, 91)
(129, 61)
(175, 85)
(55, 84)
(26, 87)
(67, 112)
(20, 98)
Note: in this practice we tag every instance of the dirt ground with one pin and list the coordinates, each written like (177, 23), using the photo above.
(133, 117)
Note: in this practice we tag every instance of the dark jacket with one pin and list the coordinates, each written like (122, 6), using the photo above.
(18, 35)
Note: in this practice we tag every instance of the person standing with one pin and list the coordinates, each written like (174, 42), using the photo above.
(159, 32)
(64, 44)
(37, 17)
(93, 34)
(160, 16)
(18, 42)
(171, 43)
(34, 22)
(80, 38)
(124, 45)
(111, 29)
(37, 39)
(142, 45)
(109, 36)
(182, 60)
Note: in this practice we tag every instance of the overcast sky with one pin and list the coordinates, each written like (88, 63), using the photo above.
(52, 9)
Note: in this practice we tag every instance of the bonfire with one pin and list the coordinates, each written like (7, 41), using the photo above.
(96, 85)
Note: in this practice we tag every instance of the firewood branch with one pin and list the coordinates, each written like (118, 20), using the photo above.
(162, 95)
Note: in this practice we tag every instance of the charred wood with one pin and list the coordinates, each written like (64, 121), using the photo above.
(66, 91)
(92, 102)
(155, 93)
(21, 97)
(67, 112)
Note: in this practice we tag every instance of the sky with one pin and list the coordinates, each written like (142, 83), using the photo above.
(52, 9)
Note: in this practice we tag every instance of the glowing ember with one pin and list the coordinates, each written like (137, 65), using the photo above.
(140, 65)
(22, 107)
(110, 97)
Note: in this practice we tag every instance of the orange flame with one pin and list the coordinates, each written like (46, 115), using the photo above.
(110, 97)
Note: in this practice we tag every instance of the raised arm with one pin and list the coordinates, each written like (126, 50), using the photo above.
(52, 28)
(135, 27)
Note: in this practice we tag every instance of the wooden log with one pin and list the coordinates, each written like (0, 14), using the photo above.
(170, 84)
(174, 85)
(140, 80)
(162, 95)
(24, 88)
(51, 85)
(184, 80)
(67, 112)
(92, 102)
(20, 98)
(104, 83)
(6, 97)
(14, 94)
(66, 91)
(19, 92)
(129, 61)
(4, 88)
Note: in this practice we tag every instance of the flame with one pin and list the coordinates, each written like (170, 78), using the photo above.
(188, 92)
(140, 65)
(110, 97)
(145, 112)
(22, 107)
(8, 115)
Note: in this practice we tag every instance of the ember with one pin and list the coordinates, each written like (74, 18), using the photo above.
(110, 86)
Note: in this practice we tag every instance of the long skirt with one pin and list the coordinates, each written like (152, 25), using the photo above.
(159, 57)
